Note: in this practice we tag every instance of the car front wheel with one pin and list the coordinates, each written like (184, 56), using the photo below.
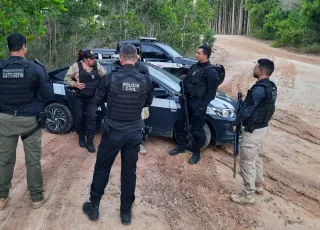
(207, 136)
(59, 118)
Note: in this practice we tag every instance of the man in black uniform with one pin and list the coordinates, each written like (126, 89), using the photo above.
(85, 75)
(127, 92)
(254, 115)
(201, 83)
(20, 111)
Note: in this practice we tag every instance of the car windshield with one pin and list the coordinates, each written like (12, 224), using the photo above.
(165, 77)
(172, 52)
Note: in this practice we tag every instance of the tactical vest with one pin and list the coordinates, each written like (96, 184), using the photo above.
(17, 87)
(91, 80)
(127, 95)
(262, 114)
(195, 83)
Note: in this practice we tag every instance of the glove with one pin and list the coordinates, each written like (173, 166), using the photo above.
(145, 113)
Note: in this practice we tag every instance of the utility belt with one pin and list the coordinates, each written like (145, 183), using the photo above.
(17, 113)
(249, 129)
(105, 129)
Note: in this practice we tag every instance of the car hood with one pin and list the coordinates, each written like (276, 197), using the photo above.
(223, 100)
(184, 61)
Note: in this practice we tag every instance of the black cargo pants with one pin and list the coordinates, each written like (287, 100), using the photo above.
(85, 109)
(110, 145)
(197, 120)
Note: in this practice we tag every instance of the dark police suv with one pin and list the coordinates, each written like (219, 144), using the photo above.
(163, 111)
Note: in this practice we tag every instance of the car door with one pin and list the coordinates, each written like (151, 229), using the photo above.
(163, 112)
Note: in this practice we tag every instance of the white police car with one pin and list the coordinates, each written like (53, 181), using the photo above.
(164, 111)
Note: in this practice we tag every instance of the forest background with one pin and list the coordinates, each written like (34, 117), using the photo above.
(57, 29)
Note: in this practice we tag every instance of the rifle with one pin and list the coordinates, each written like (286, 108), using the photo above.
(189, 137)
(236, 137)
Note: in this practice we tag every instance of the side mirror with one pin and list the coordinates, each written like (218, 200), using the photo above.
(158, 92)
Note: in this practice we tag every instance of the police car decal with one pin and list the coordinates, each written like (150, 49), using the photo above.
(13, 73)
(59, 89)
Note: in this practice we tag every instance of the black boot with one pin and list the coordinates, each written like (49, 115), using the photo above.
(91, 210)
(90, 145)
(82, 141)
(194, 159)
(176, 151)
(125, 217)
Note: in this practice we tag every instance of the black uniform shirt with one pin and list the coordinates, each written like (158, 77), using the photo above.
(45, 88)
(125, 126)
(258, 94)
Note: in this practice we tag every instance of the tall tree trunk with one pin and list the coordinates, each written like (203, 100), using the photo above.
(240, 18)
(233, 12)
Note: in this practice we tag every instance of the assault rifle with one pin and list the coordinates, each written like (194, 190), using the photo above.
(189, 137)
(236, 137)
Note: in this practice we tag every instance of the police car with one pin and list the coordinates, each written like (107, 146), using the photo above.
(164, 111)
(164, 56)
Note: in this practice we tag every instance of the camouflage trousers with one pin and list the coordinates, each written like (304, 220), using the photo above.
(11, 127)
(251, 164)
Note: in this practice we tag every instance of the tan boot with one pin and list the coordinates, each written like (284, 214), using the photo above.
(242, 198)
(3, 203)
(259, 189)
(37, 204)
(143, 150)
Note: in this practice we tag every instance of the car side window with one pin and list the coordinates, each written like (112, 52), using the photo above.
(153, 52)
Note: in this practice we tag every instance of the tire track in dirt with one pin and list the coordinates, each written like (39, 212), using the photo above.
(292, 124)
(189, 199)
(290, 186)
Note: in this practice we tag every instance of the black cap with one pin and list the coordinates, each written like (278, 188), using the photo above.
(16, 40)
(89, 54)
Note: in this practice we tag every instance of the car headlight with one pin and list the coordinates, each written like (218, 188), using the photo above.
(222, 112)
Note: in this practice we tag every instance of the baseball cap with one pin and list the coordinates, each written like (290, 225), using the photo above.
(89, 54)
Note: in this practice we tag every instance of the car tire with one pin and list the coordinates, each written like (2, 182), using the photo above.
(59, 118)
(207, 132)
(207, 135)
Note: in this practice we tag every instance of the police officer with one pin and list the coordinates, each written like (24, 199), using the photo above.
(85, 75)
(254, 115)
(127, 92)
(141, 67)
(20, 82)
(200, 83)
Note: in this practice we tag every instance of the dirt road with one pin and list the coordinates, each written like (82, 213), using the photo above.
(171, 194)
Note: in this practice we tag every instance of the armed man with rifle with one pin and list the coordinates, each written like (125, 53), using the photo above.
(198, 88)
(255, 114)
(20, 82)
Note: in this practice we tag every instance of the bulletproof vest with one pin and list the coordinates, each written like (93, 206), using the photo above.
(91, 80)
(18, 86)
(262, 114)
(127, 94)
(195, 84)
